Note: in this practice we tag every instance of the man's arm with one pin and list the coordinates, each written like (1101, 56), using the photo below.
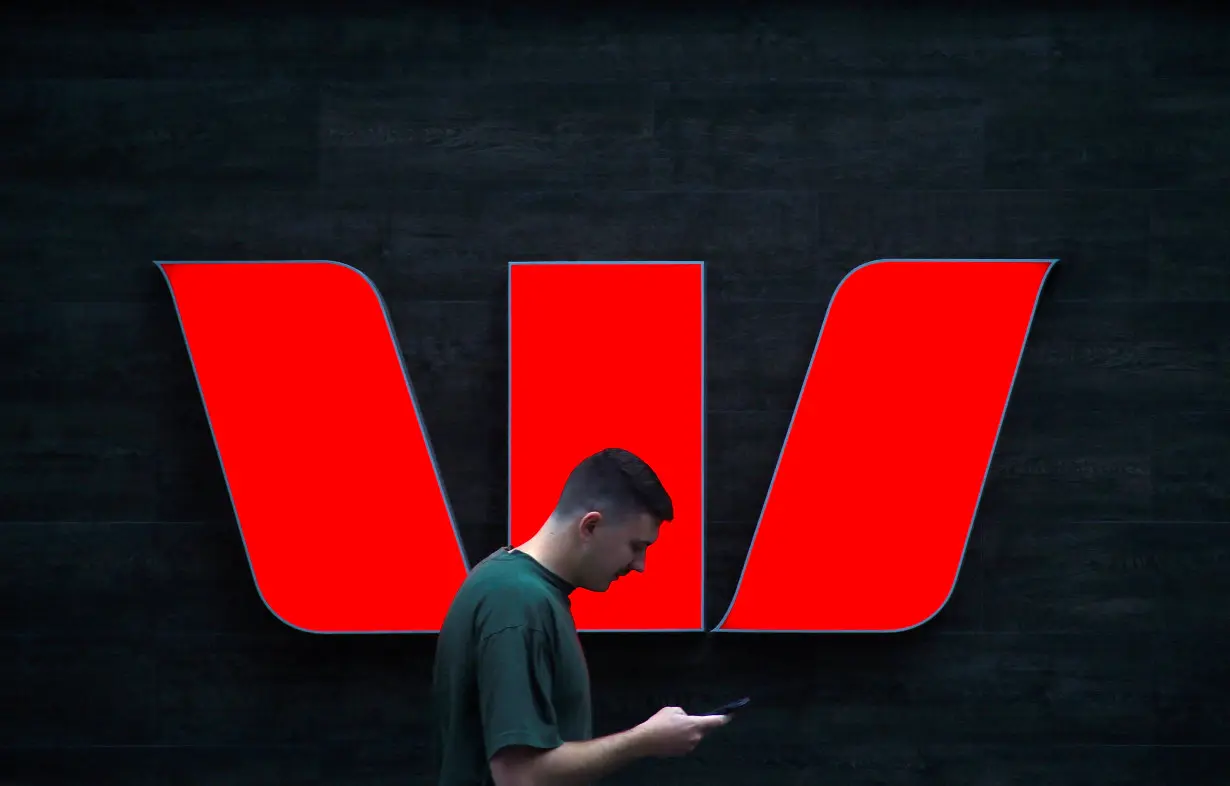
(670, 732)
(522, 741)
(571, 764)
(524, 748)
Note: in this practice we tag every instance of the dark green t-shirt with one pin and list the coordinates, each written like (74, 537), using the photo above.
(509, 669)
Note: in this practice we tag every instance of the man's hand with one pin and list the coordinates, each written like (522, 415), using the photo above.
(673, 732)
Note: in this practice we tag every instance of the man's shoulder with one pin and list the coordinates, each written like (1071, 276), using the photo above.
(500, 571)
(505, 569)
(499, 593)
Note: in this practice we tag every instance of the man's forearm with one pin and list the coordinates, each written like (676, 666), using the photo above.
(579, 763)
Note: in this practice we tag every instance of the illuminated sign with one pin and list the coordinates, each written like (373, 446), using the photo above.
(865, 523)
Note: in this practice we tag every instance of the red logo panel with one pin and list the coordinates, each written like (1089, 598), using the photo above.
(347, 527)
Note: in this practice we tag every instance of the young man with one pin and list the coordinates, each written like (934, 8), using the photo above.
(510, 685)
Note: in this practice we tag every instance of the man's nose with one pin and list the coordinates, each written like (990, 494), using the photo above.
(638, 564)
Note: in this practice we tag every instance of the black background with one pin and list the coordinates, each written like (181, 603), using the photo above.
(1086, 640)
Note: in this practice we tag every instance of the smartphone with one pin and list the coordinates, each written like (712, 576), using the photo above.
(727, 709)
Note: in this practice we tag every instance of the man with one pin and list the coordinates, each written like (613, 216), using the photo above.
(510, 685)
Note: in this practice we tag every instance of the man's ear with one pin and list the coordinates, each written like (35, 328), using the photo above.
(588, 523)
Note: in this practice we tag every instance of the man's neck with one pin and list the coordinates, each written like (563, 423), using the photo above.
(547, 549)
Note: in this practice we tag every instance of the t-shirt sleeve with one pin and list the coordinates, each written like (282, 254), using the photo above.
(515, 687)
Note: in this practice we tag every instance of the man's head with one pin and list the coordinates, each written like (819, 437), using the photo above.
(609, 513)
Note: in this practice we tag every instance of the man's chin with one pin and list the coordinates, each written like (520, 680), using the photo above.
(596, 587)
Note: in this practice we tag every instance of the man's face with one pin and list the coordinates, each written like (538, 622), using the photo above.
(615, 549)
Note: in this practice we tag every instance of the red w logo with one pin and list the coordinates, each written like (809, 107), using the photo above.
(865, 523)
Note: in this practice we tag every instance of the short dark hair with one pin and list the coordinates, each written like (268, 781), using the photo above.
(617, 483)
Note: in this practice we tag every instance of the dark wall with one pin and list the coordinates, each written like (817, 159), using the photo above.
(1086, 640)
